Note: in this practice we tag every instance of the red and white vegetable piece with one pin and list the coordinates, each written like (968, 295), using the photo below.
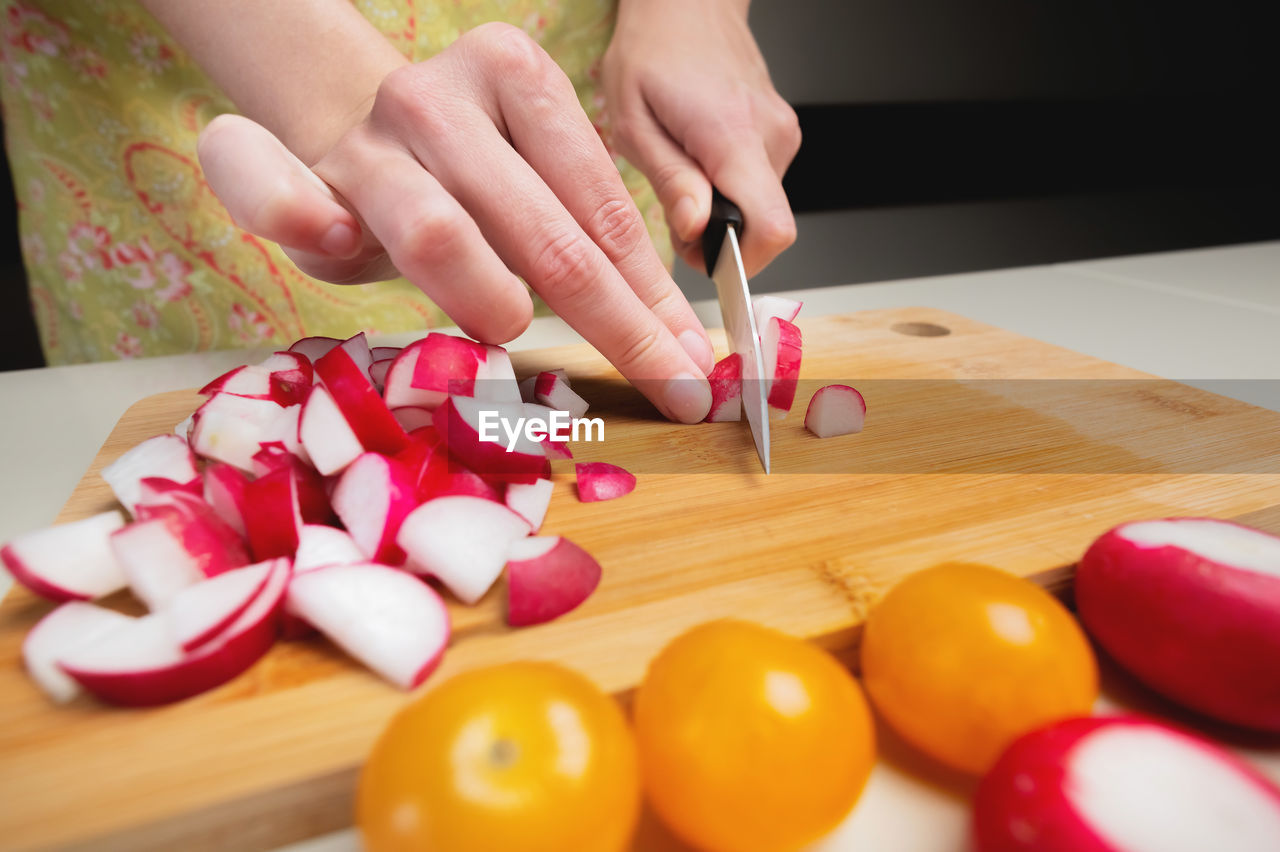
(224, 487)
(383, 353)
(459, 422)
(156, 561)
(463, 541)
(314, 348)
(230, 428)
(325, 433)
(766, 308)
(412, 417)
(72, 561)
(530, 501)
(1191, 606)
(546, 577)
(372, 498)
(600, 481)
(164, 456)
(726, 389)
(345, 375)
(782, 345)
(63, 630)
(320, 545)
(835, 410)
(200, 612)
(496, 378)
(378, 372)
(443, 365)
(1122, 785)
(554, 392)
(529, 384)
(392, 622)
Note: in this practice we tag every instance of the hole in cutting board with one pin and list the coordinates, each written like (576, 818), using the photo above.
(920, 329)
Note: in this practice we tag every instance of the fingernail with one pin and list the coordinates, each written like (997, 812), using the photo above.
(682, 216)
(341, 240)
(688, 397)
(699, 349)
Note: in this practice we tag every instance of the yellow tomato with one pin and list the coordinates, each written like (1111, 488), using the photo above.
(962, 659)
(751, 739)
(523, 756)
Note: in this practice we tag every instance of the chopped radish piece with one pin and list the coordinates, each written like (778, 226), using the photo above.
(70, 626)
(530, 500)
(766, 308)
(326, 434)
(313, 495)
(412, 417)
(1121, 784)
(372, 498)
(726, 389)
(444, 365)
(529, 385)
(142, 665)
(200, 612)
(391, 621)
(782, 345)
(378, 372)
(246, 380)
(835, 410)
(153, 490)
(200, 531)
(164, 456)
(463, 541)
(496, 379)
(557, 449)
(183, 429)
(291, 377)
(156, 561)
(383, 353)
(314, 348)
(600, 481)
(476, 433)
(224, 492)
(67, 562)
(554, 392)
(346, 378)
(546, 577)
(272, 515)
(230, 428)
(397, 386)
(545, 413)
(319, 546)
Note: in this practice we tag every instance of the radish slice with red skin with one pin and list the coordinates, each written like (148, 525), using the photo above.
(141, 665)
(383, 353)
(725, 379)
(601, 481)
(835, 410)
(66, 562)
(554, 392)
(200, 612)
(372, 498)
(230, 428)
(390, 621)
(272, 515)
(328, 437)
(183, 429)
(1191, 606)
(347, 380)
(553, 448)
(156, 562)
(767, 307)
(446, 365)
(412, 417)
(320, 545)
(313, 494)
(157, 489)
(314, 348)
(397, 386)
(70, 626)
(463, 541)
(459, 422)
(529, 384)
(166, 456)
(246, 380)
(199, 531)
(547, 576)
(378, 372)
(530, 501)
(496, 378)
(782, 347)
(1122, 784)
(224, 492)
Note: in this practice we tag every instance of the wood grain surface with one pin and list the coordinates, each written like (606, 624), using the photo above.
(980, 445)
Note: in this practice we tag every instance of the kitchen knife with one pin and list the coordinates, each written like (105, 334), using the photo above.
(724, 265)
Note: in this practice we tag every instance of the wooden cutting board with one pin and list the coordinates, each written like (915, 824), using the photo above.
(980, 446)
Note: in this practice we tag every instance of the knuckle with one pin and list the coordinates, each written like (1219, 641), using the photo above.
(617, 227)
(566, 269)
(778, 231)
(399, 92)
(790, 130)
(508, 51)
(641, 347)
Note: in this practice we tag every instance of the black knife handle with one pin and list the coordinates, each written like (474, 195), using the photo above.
(723, 214)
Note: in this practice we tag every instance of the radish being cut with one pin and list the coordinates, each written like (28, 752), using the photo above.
(1122, 785)
(552, 391)
(391, 621)
(200, 612)
(476, 433)
(600, 481)
(346, 377)
(725, 379)
(229, 428)
(314, 348)
(142, 664)
(782, 345)
(766, 308)
(372, 498)
(67, 562)
(835, 410)
(1191, 606)
(320, 545)
(546, 577)
(156, 560)
(530, 501)
(66, 628)
(325, 433)
(496, 378)
(166, 456)
(463, 541)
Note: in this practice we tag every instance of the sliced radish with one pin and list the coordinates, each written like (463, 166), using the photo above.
(835, 410)
(378, 372)
(156, 561)
(397, 386)
(62, 631)
(412, 417)
(530, 500)
(166, 456)
(200, 531)
(319, 546)
(495, 378)
(313, 494)
(230, 428)
(726, 389)
(291, 377)
(552, 391)
(67, 562)
(384, 353)
(447, 365)
(389, 620)
(246, 380)
(142, 664)
(224, 491)
(546, 577)
(328, 437)
(555, 449)
(346, 377)
(314, 348)
(782, 345)
(600, 481)
(272, 515)
(200, 612)
(766, 308)
(155, 489)
(1192, 607)
(183, 429)
(463, 541)
(1120, 785)
(460, 421)
(372, 498)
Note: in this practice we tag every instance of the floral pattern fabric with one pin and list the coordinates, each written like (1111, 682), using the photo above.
(127, 251)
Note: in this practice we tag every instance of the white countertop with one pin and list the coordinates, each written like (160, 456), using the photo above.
(1192, 316)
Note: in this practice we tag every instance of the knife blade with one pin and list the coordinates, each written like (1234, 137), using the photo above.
(723, 257)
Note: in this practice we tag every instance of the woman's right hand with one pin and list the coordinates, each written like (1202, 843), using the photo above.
(471, 168)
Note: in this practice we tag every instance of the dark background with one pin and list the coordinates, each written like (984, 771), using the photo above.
(947, 137)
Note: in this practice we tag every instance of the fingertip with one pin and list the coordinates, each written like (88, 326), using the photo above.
(502, 323)
(341, 240)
